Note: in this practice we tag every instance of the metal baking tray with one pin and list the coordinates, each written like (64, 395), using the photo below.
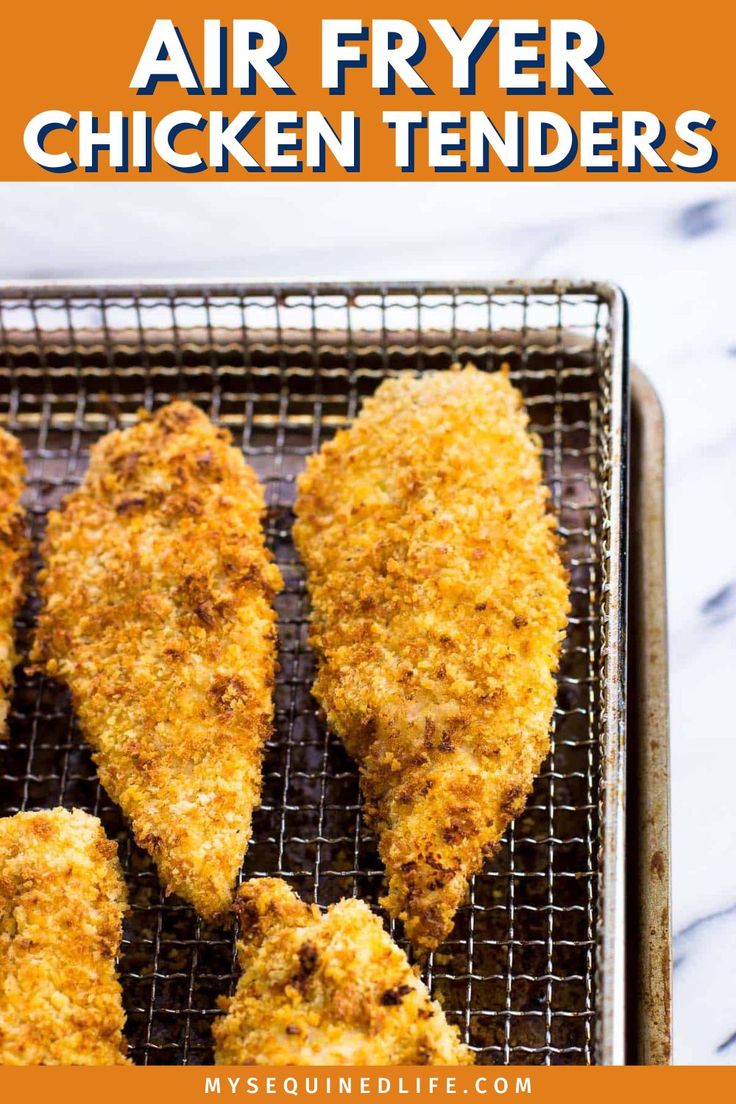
(536, 968)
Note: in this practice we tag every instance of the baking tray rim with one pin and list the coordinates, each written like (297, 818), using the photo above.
(649, 980)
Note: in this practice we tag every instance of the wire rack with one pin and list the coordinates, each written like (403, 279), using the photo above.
(284, 368)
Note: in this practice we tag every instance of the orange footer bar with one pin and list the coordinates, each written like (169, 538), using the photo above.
(152, 1085)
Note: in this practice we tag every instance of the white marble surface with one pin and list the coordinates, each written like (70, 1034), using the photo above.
(672, 248)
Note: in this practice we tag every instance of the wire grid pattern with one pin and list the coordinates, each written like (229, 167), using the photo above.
(284, 369)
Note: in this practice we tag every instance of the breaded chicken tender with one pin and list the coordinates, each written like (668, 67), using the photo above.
(14, 550)
(62, 899)
(326, 990)
(157, 613)
(438, 607)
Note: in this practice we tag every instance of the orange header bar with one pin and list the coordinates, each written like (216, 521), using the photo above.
(381, 91)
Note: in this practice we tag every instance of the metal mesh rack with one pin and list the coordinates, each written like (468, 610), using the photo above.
(525, 969)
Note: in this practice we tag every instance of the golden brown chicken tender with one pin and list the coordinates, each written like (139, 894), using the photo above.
(326, 990)
(438, 607)
(14, 549)
(62, 900)
(157, 613)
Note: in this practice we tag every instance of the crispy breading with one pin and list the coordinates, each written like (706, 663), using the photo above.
(326, 990)
(157, 613)
(62, 900)
(439, 602)
(14, 550)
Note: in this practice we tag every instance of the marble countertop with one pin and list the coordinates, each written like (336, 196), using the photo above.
(671, 247)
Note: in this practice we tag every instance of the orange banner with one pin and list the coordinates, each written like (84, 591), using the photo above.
(382, 91)
(202, 1085)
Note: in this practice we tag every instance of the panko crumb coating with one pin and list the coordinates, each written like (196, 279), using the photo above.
(326, 990)
(62, 900)
(439, 603)
(14, 554)
(157, 613)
